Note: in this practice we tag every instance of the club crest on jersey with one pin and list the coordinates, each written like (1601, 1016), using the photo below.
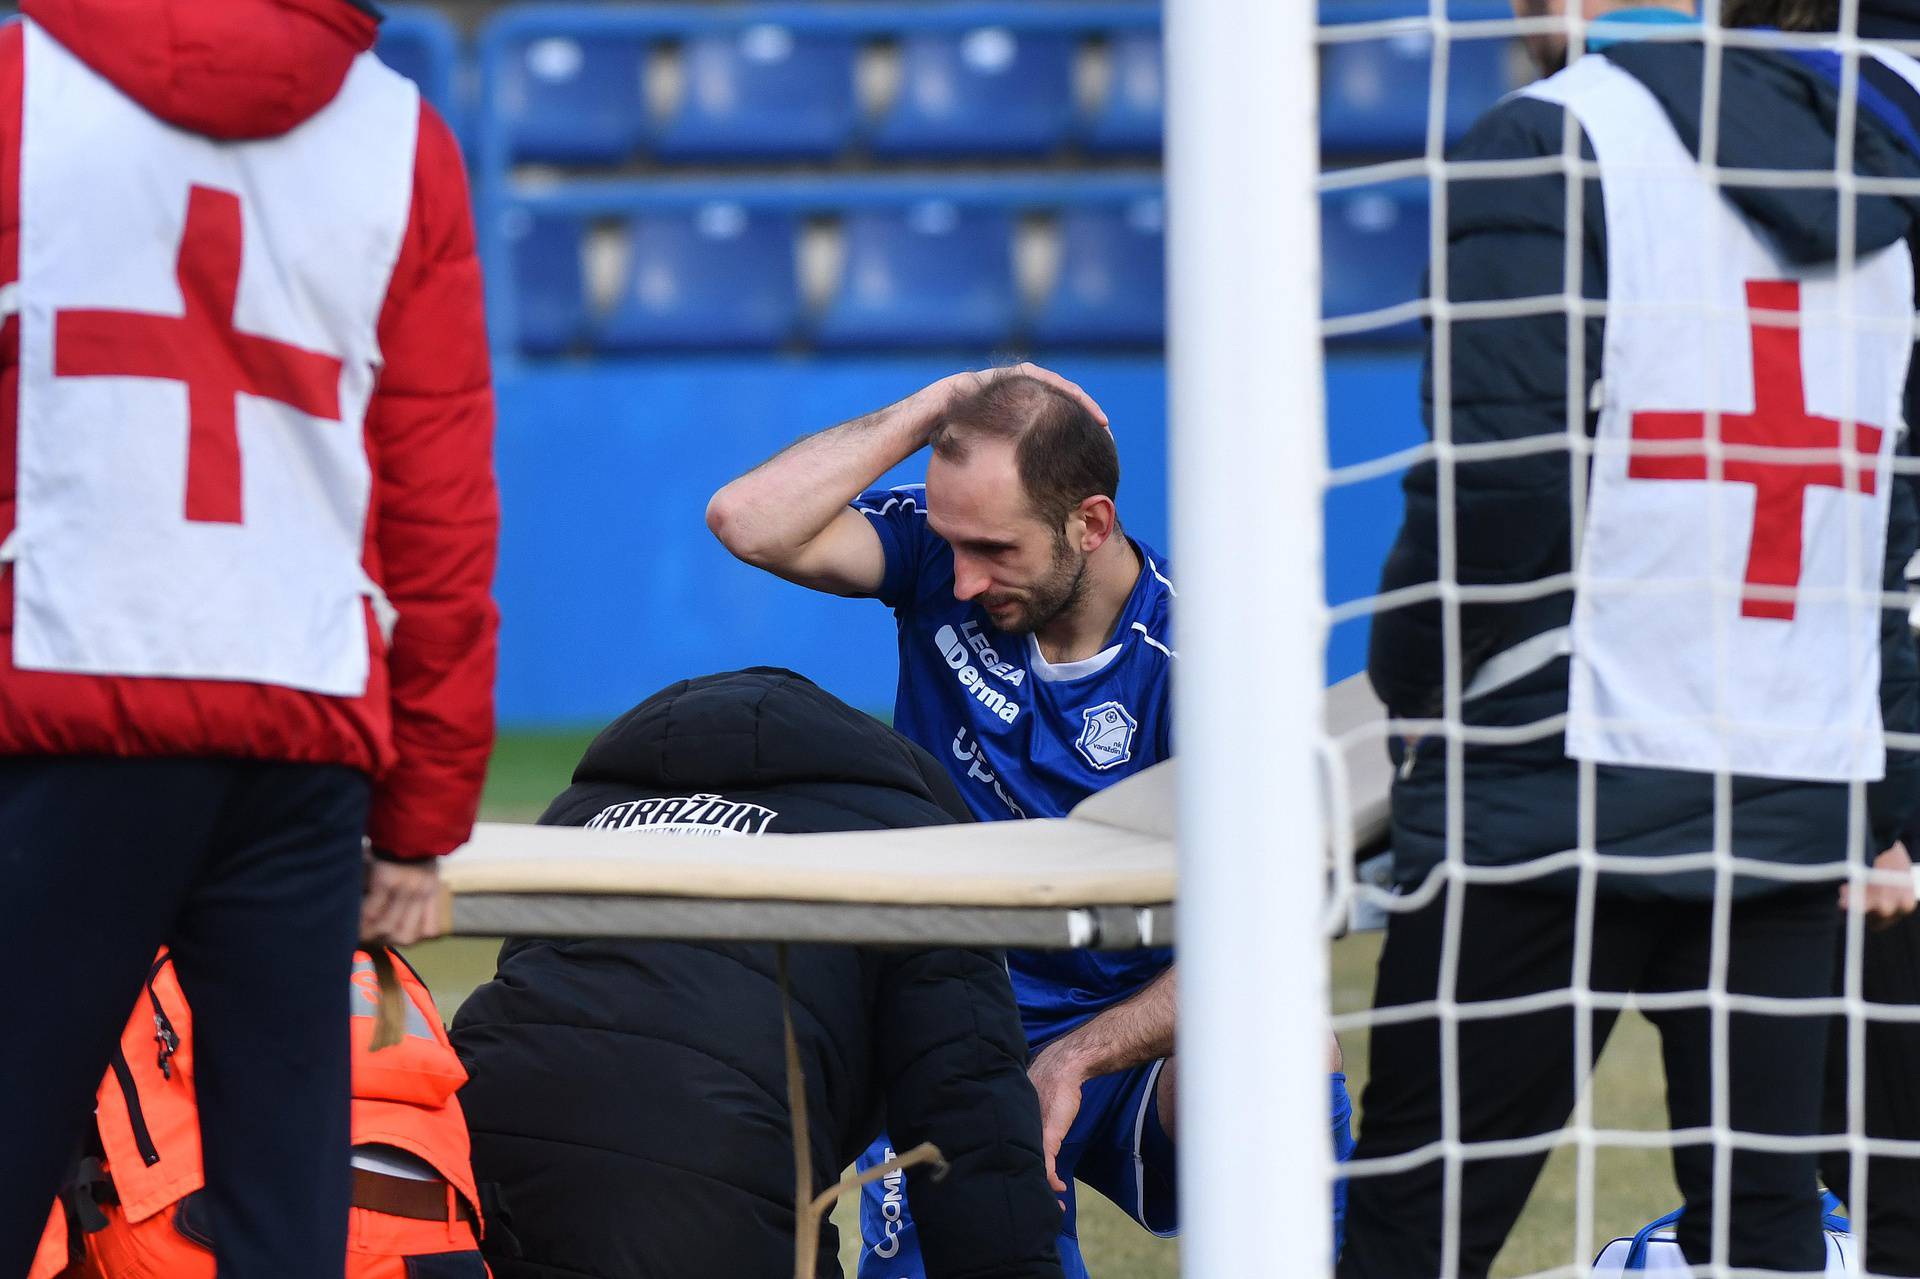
(1106, 740)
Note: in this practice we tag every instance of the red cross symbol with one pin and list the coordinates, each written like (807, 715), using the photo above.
(1779, 421)
(204, 350)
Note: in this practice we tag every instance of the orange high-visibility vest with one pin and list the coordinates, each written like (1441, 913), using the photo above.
(403, 1096)
(51, 1257)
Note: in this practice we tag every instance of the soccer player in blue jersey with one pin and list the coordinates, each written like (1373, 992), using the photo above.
(1035, 661)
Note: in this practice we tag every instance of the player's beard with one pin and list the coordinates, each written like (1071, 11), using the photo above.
(1060, 591)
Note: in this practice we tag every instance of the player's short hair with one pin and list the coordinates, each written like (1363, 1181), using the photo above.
(1788, 15)
(1063, 454)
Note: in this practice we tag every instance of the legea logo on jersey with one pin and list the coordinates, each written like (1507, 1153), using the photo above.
(1106, 738)
(970, 677)
(989, 658)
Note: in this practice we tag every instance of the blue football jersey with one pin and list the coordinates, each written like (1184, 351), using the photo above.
(1024, 737)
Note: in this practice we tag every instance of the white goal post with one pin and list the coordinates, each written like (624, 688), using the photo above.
(1245, 366)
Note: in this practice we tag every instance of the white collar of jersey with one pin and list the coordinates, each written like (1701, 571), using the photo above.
(1057, 673)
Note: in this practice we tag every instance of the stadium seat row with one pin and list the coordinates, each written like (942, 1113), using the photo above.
(933, 274)
(768, 92)
(757, 91)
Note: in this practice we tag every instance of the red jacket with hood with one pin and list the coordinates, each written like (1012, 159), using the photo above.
(249, 69)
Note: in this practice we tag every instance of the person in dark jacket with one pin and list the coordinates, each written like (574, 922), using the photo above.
(629, 1098)
(1888, 955)
(1620, 726)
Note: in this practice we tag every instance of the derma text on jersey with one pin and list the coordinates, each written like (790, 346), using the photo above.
(971, 679)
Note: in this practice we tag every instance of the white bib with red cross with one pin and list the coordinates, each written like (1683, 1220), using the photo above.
(1727, 584)
(198, 347)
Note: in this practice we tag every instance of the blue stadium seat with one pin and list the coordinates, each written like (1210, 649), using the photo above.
(1133, 117)
(549, 284)
(1373, 93)
(931, 275)
(1337, 11)
(988, 91)
(1112, 289)
(1373, 243)
(720, 276)
(575, 101)
(1381, 10)
(420, 45)
(764, 93)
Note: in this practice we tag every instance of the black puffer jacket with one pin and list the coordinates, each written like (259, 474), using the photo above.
(629, 1099)
(1513, 515)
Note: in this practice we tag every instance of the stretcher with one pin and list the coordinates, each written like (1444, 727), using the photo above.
(1102, 877)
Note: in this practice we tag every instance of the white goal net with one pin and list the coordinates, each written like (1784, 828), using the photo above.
(1642, 630)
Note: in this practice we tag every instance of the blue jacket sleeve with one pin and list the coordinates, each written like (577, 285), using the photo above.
(1506, 380)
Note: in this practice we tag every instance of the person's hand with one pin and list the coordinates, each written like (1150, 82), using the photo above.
(1057, 1078)
(1887, 904)
(402, 905)
(949, 389)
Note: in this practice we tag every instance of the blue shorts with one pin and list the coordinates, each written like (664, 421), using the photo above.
(1341, 1121)
(1116, 1146)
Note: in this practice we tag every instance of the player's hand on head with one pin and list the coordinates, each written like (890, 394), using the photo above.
(1057, 1078)
(1059, 383)
(1890, 896)
(402, 902)
(962, 384)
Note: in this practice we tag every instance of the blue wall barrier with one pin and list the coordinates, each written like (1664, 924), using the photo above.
(1373, 410)
(610, 585)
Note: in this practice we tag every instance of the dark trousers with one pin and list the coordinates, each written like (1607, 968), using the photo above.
(1890, 974)
(251, 872)
(1517, 1073)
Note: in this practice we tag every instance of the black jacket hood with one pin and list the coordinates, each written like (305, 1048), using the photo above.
(616, 1070)
(1780, 111)
(758, 729)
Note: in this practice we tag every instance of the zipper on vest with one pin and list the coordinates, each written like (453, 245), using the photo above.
(165, 1035)
(136, 1117)
(163, 1031)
